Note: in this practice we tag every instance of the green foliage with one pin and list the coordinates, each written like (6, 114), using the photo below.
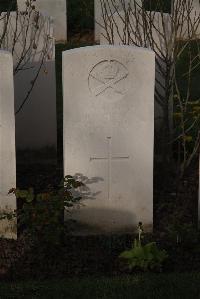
(147, 257)
(41, 215)
(144, 257)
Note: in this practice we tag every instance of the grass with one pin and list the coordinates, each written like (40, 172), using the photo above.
(147, 286)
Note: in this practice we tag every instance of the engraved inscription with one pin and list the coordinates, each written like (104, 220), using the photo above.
(107, 76)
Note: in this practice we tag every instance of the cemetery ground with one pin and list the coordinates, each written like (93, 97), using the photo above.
(151, 286)
(89, 266)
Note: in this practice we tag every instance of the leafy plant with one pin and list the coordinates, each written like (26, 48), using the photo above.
(41, 215)
(147, 257)
(143, 257)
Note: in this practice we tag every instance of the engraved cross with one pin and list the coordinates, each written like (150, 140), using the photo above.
(110, 159)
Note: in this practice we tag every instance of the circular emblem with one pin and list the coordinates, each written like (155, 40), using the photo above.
(107, 78)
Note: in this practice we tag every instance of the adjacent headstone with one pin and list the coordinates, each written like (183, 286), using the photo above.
(7, 145)
(187, 12)
(102, 8)
(135, 31)
(36, 125)
(57, 9)
(109, 133)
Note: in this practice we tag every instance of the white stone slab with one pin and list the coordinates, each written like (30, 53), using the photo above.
(124, 33)
(7, 144)
(109, 132)
(30, 41)
(189, 11)
(57, 9)
(36, 125)
(132, 33)
(111, 6)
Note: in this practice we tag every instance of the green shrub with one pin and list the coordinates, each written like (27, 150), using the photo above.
(41, 215)
(146, 257)
(143, 257)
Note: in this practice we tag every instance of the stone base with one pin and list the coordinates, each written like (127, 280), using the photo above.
(86, 228)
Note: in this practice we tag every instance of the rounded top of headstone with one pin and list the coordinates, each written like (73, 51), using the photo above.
(107, 47)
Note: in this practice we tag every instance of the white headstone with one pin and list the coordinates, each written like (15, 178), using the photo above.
(7, 144)
(111, 7)
(57, 9)
(188, 13)
(36, 125)
(135, 32)
(109, 133)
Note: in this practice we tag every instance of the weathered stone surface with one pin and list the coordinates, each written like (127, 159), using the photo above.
(57, 9)
(7, 144)
(136, 31)
(108, 134)
(188, 14)
(111, 7)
